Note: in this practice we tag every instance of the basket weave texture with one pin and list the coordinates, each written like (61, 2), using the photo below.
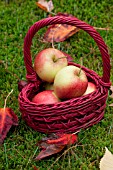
(74, 114)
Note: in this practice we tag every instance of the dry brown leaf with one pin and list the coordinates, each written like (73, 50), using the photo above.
(111, 92)
(111, 104)
(44, 5)
(60, 32)
(1, 61)
(111, 89)
(106, 162)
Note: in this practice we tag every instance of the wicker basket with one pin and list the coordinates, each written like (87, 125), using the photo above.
(74, 114)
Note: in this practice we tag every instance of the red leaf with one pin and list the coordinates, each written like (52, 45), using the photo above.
(7, 119)
(64, 139)
(21, 84)
(60, 32)
(54, 144)
(50, 150)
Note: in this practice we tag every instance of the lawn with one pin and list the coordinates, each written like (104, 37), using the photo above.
(19, 148)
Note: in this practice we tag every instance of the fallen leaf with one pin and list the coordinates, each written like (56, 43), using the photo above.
(1, 61)
(49, 150)
(44, 5)
(111, 90)
(63, 139)
(21, 84)
(60, 32)
(54, 144)
(111, 95)
(7, 119)
(111, 104)
(106, 162)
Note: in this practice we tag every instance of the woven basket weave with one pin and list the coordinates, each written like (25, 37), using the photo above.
(74, 114)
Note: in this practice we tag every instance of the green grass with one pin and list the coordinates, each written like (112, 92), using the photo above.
(19, 147)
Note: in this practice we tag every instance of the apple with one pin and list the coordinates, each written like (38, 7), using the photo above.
(90, 88)
(45, 97)
(48, 62)
(70, 82)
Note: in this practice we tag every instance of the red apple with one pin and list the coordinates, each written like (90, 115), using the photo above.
(48, 62)
(45, 97)
(70, 82)
(90, 88)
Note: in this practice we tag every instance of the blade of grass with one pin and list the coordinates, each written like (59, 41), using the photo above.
(6, 158)
(30, 158)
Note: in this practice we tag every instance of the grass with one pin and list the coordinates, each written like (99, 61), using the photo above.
(19, 147)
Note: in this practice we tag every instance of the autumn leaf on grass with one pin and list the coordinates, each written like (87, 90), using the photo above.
(111, 91)
(54, 144)
(44, 5)
(60, 32)
(21, 84)
(7, 119)
(106, 162)
(111, 104)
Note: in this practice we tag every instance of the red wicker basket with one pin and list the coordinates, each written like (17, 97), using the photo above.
(74, 114)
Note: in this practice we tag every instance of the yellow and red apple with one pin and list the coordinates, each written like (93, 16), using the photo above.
(70, 82)
(48, 62)
(90, 88)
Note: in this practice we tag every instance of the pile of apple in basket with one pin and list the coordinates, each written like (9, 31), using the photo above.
(61, 81)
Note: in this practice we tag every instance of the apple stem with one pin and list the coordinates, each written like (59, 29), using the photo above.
(55, 60)
(81, 64)
(7, 98)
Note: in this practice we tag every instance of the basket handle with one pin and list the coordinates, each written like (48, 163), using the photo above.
(31, 74)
